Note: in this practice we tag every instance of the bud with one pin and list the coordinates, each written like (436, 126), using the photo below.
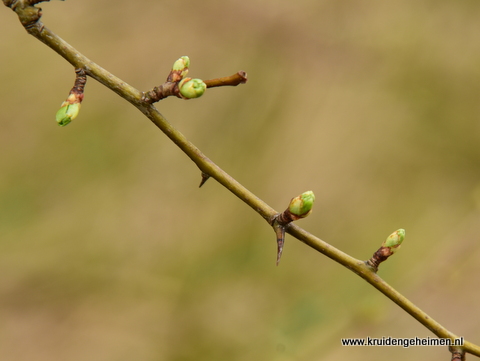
(389, 247)
(394, 240)
(71, 106)
(301, 206)
(179, 69)
(181, 64)
(69, 109)
(191, 88)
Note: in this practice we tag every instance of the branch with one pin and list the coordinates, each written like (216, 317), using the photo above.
(30, 19)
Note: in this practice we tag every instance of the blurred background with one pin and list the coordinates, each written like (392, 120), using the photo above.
(108, 249)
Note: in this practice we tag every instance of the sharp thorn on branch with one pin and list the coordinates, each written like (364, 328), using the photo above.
(205, 177)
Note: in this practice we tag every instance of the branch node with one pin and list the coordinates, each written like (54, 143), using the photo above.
(28, 14)
(160, 92)
(299, 207)
(458, 354)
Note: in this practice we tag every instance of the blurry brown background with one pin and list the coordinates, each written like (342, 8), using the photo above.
(108, 249)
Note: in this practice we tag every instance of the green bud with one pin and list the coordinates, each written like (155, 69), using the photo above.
(301, 206)
(67, 113)
(181, 64)
(191, 88)
(179, 69)
(394, 240)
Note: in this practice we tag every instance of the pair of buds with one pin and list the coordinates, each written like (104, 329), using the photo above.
(188, 88)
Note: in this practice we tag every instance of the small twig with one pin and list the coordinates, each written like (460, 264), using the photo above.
(172, 86)
(232, 80)
(187, 88)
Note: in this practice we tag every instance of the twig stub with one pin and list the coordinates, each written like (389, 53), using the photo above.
(232, 80)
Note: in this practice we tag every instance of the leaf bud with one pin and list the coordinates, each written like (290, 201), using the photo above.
(69, 109)
(301, 206)
(179, 69)
(394, 240)
(191, 88)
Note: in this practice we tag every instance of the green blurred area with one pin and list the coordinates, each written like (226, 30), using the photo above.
(108, 249)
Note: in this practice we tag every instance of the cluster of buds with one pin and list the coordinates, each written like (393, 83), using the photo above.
(177, 84)
(188, 88)
(71, 106)
(299, 207)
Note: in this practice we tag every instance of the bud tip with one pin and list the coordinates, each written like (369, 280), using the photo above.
(302, 205)
(394, 240)
(67, 113)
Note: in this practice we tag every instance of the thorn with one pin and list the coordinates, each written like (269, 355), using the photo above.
(205, 177)
(280, 243)
(280, 232)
